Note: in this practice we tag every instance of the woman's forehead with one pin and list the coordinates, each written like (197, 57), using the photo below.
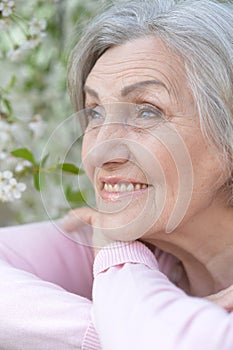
(138, 60)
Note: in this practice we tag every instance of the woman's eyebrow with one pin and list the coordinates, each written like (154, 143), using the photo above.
(91, 92)
(130, 88)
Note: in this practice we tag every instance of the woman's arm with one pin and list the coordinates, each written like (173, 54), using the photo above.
(37, 264)
(137, 307)
(45, 250)
(37, 315)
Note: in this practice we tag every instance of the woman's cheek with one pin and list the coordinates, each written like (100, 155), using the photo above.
(86, 160)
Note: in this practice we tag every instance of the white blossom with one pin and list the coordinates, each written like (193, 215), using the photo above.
(35, 39)
(5, 176)
(22, 165)
(33, 42)
(4, 126)
(5, 134)
(3, 155)
(37, 126)
(10, 189)
(15, 53)
(23, 98)
(5, 137)
(36, 31)
(12, 130)
(6, 7)
(4, 23)
(36, 27)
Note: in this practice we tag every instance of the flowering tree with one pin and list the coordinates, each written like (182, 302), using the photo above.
(37, 145)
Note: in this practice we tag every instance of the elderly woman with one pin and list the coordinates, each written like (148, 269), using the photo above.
(155, 79)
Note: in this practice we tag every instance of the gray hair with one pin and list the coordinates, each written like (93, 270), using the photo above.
(200, 31)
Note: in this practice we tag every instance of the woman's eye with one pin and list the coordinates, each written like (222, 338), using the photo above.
(148, 112)
(93, 115)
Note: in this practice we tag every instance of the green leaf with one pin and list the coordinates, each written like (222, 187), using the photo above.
(11, 84)
(25, 154)
(70, 168)
(39, 181)
(7, 105)
(44, 160)
(75, 196)
(36, 178)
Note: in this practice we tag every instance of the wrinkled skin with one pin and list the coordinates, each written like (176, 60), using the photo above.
(171, 157)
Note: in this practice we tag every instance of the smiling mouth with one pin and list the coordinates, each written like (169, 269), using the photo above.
(123, 187)
(114, 188)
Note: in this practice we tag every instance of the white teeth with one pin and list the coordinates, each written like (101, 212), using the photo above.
(130, 187)
(124, 187)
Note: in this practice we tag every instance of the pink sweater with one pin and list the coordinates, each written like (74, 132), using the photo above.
(47, 290)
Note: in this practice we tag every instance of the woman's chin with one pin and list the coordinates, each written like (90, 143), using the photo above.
(127, 226)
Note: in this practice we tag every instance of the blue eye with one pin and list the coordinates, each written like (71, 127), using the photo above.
(149, 112)
(94, 116)
(91, 113)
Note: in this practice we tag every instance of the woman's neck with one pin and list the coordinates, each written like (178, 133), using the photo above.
(205, 248)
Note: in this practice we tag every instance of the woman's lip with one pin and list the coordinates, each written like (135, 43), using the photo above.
(114, 196)
(113, 188)
(112, 180)
(119, 180)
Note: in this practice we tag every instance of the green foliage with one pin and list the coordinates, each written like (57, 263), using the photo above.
(70, 168)
(25, 154)
(76, 197)
(35, 42)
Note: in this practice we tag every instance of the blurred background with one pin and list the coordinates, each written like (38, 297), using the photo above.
(36, 38)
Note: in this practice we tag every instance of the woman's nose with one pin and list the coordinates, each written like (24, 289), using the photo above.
(110, 146)
(109, 151)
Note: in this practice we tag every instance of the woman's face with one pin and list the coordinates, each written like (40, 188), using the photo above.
(143, 149)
